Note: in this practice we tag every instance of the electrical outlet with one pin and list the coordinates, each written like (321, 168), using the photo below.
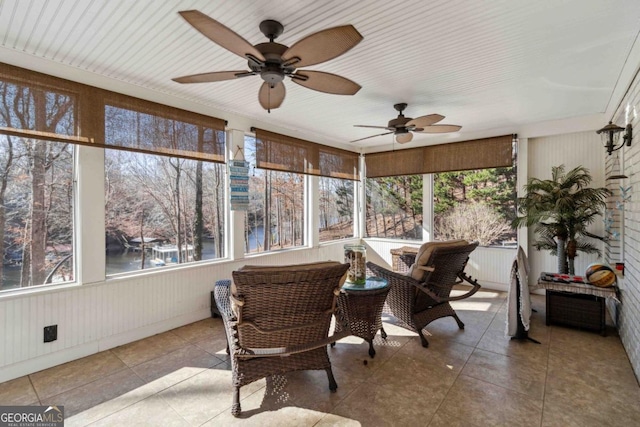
(50, 333)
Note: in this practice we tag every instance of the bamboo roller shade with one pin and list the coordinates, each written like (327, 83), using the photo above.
(111, 120)
(477, 154)
(285, 153)
(196, 136)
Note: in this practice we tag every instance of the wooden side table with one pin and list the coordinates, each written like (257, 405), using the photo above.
(576, 304)
(361, 306)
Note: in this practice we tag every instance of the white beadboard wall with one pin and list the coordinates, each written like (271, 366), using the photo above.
(99, 316)
(490, 266)
(628, 248)
(574, 149)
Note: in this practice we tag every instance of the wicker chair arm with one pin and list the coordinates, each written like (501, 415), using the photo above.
(464, 278)
(473, 282)
(391, 276)
(222, 294)
(287, 351)
(399, 278)
(277, 330)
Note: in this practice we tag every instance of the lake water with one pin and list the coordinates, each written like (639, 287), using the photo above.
(130, 261)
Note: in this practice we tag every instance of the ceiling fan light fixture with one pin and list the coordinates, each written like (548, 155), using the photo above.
(274, 61)
(404, 127)
(403, 137)
(272, 76)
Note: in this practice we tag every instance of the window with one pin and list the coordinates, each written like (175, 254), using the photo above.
(336, 207)
(160, 209)
(475, 205)
(275, 217)
(152, 209)
(36, 188)
(394, 207)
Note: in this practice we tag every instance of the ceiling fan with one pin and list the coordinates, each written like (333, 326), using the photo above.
(402, 127)
(274, 61)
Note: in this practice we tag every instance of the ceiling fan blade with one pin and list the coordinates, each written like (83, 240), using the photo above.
(402, 138)
(325, 82)
(439, 129)
(372, 136)
(210, 77)
(219, 34)
(322, 46)
(371, 127)
(423, 121)
(271, 97)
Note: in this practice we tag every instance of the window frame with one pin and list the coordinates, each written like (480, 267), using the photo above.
(307, 233)
(49, 287)
(354, 210)
(224, 217)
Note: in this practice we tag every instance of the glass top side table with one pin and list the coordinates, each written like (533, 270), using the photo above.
(371, 284)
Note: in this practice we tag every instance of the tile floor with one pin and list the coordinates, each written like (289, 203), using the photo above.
(474, 377)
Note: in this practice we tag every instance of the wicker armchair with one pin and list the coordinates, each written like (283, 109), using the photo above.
(271, 312)
(423, 294)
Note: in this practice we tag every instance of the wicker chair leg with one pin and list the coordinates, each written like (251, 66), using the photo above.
(372, 352)
(424, 341)
(460, 324)
(235, 407)
(333, 386)
(383, 334)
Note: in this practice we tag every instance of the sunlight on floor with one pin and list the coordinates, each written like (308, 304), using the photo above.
(472, 305)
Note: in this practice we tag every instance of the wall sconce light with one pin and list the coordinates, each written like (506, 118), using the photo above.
(611, 137)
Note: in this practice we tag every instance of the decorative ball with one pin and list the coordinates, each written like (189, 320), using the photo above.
(600, 275)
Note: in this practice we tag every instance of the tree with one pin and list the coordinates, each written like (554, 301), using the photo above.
(6, 164)
(495, 187)
(448, 189)
(394, 207)
(344, 202)
(40, 178)
(336, 208)
(198, 223)
(492, 190)
(561, 209)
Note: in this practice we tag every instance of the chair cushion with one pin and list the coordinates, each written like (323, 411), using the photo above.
(424, 253)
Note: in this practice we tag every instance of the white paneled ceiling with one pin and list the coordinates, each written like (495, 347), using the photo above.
(488, 65)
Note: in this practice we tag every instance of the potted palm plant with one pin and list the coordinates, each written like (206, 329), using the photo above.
(561, 209)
